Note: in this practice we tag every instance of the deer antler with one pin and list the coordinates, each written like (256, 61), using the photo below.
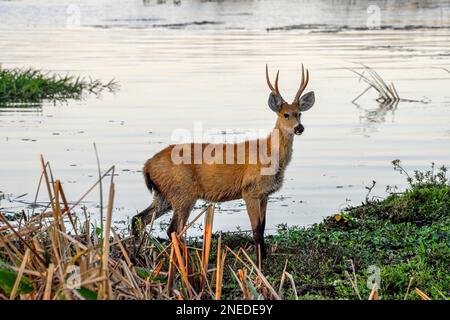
(275, 90)
(303, 84)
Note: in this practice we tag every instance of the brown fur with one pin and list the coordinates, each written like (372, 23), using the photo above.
(179, 186)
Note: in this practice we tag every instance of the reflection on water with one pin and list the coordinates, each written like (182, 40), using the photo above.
(161, 2)
(214, 73)
(371, 117)
(323, 15)
(20, 108)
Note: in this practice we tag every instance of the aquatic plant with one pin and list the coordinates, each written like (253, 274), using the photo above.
(387, 93)
(405, 237)
(59, 253)
(34, 86)
(56, 254)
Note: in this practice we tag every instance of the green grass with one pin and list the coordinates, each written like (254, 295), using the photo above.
(19, 86)
(404, 239)
(406, 236)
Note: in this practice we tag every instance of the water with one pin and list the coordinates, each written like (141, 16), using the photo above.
(204, 61)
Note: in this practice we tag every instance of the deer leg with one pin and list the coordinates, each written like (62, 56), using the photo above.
(254, 213)
(158, 207)
(263, 206)
(263, 209)
(181, 212)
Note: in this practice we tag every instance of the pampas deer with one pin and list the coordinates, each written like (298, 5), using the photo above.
(178, 185)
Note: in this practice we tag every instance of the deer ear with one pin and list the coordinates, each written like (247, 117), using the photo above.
(275, 102)
(306, 101)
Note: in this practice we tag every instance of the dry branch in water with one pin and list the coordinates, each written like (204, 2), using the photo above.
(387, 94)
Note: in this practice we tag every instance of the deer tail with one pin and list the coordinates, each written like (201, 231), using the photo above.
(149, 182)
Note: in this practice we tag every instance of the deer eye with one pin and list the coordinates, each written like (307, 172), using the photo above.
(286, 115)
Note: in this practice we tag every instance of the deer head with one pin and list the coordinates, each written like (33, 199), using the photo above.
(289, 114)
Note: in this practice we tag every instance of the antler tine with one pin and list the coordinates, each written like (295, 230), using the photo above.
(303, 76)
(275, 90)
(303, 84)
(268, 80)
(306, 81)
(276, 83)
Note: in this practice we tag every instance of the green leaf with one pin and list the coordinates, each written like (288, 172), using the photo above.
(159, 278)
(253, 290)
(8, 279)
(156, 243)
(87, 294)
(143, 272)
(3, 263)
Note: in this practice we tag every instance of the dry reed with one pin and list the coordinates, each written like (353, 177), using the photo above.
(56, 255)
(43, 253)
(387, 93)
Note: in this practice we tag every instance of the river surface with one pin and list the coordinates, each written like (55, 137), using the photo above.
(183, 62)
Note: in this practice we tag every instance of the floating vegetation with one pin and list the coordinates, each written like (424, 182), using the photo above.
(59, 253)
(387, 94)
(30, 86)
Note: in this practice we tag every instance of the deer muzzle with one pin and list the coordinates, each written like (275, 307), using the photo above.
(298, 130)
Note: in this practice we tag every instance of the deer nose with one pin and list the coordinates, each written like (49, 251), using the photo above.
(299, 129)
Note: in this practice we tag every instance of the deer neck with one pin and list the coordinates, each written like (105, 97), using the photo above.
(284, 146)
